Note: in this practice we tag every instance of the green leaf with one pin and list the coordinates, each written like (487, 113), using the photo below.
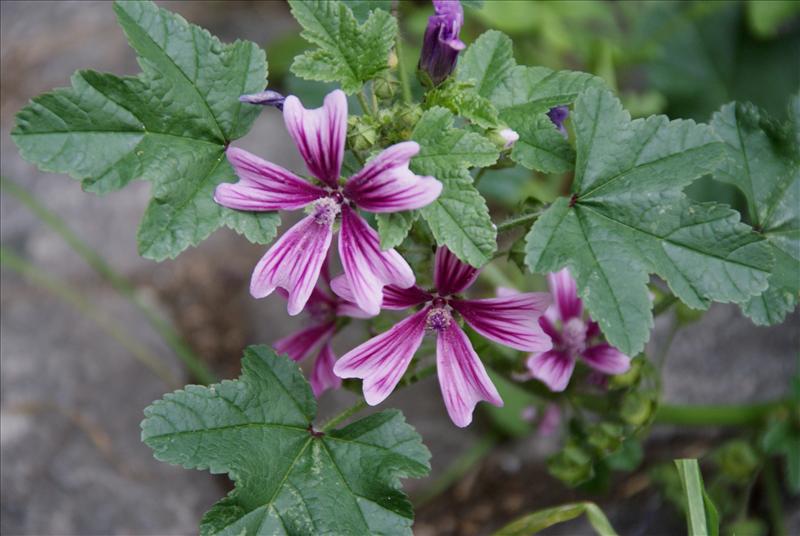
(362, 8)
(763, 163)
(169, 125)
(459, 218)
(289, 478)
(487, 62)
(349, 53)
(541, 146)
(628, 218)
(766, 18)
(538, 521)
(701, 514)
(522, 97)
(699, 56)
(393, 227)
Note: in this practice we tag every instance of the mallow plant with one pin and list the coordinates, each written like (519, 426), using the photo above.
(550, 301)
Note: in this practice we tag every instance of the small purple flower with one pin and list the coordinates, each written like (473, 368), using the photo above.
(549, 421)
(571, 335)
(323, 307)
(384, 185)
(441, 45)
(382, 360)
(265, 98)
(558, 115)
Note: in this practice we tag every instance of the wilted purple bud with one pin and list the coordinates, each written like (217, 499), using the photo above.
(558, 115)
(265, 98)
(441, 44)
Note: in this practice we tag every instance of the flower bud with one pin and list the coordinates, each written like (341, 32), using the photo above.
(441, 45)
(264, 98)
(504, 138)
(384, 87)
(558, 115)
(361, 135)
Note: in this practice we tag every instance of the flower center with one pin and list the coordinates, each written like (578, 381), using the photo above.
(573, 333)
(438, 319)
(320, 311)
(326, 209)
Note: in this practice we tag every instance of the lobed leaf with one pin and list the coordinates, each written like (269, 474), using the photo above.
(763, 162)
(289, 479)
(348, 52)
(169, 125)
(627, 218)
(459, 218)
(522, 96)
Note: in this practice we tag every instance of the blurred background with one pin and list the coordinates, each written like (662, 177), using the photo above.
(91, 332)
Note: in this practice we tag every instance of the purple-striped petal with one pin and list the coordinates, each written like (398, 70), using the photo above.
(547, 325)
(450, 275)
(606, 359)
(352, 310)
(319, 134)
(382, 360)
(368, 268)
(299, 345)
(263, 185)
(294, 262)
(553, 368)
(462, 377)
(512, 321)
(322, 376)
(565, 294)
(387, 185)
(394, 298)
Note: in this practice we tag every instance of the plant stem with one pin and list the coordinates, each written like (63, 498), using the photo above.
(361, 404)
(374, 97)
(196, 367)
(773, 493)
(665, 303)
(716, 415)
(352, 410)
(456, 470)
(41, 279)
(518, 221)
(362, 100)
(401, 69)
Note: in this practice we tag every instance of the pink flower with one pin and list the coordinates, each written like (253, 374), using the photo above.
(549, 421)
(382, 360)
(324, 308)
(384, 185)
(571, 334)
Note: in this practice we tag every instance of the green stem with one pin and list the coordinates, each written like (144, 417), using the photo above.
(361, 404)
(352, 410)
(456, 470)
(518, 221)
(405, 84)
(196, 367)
(374, 98)
(665, 303)
(773, 493)
(716, 415)
(41, 279)
(362, 100)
